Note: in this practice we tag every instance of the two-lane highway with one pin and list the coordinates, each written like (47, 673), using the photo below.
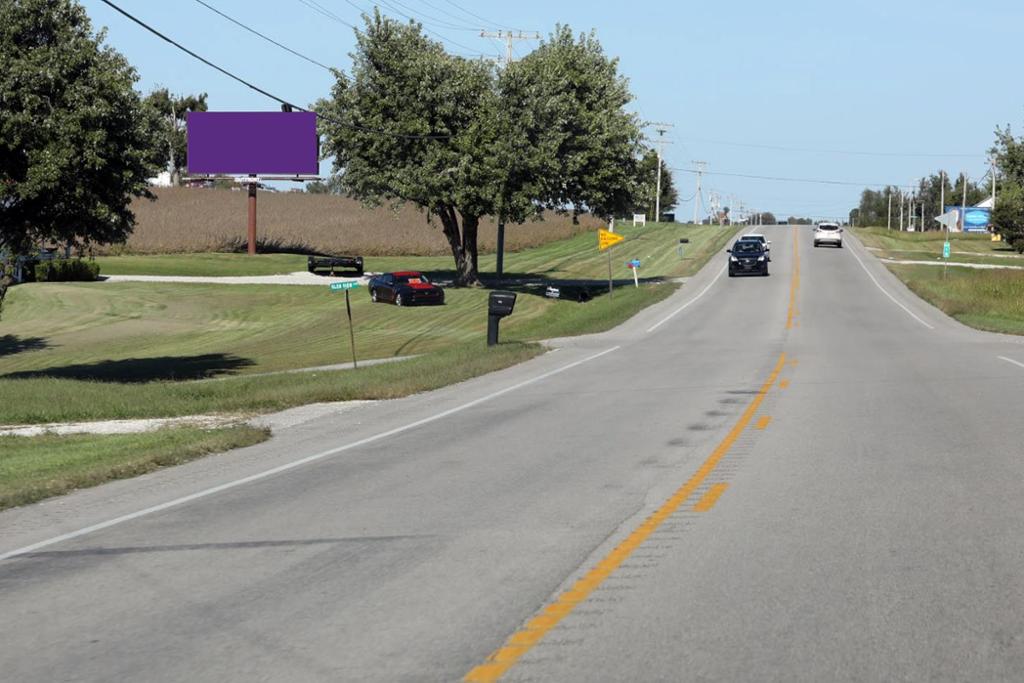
(810, 476)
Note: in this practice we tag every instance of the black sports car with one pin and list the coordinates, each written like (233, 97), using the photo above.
(405, 288)
(748, 257)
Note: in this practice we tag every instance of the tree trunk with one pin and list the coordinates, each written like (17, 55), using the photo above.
(462, 243)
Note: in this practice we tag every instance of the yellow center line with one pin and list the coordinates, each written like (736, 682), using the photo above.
(763, 422)
(523, 640)
(708, 500)
(783, 383)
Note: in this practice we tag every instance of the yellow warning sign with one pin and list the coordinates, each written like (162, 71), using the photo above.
(606, 239)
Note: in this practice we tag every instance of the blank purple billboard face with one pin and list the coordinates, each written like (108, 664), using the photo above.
(236, 142)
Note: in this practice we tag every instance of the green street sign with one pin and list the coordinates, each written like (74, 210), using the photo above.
(945, 250)
(341, 286)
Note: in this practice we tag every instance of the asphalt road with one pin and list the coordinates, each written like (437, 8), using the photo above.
(807, 477)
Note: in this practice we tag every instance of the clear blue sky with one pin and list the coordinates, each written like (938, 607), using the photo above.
(904, 77)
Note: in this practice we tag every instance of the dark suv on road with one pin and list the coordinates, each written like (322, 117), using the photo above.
(747, 257)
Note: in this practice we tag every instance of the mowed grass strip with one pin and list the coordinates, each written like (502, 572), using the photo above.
(927, 246)
(202, 264)
(991, 300)
(47, 399)
(33, 468)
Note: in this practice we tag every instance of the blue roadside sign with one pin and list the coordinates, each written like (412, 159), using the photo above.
(339, 286)
(945, 250)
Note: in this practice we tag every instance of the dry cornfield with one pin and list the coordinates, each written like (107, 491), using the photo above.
(201, 219)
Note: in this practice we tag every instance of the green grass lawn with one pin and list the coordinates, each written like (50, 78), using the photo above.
(990, 300)
(577, 258)
(89, 351)
(78, 351)
(33, 468)
(927, 246)
(201, 264)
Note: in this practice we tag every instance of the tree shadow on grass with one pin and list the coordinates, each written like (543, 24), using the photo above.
(11, 344)
(139, 370)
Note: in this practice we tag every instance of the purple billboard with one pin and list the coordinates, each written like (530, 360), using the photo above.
(236, 142)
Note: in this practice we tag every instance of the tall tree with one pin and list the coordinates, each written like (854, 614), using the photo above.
(171, 111)
(589, 145)
(1008, 214)
(75, 141)
(461, 140)
(414, 124)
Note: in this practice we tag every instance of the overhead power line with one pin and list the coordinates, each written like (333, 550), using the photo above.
(265, 37)
(833, 151)
(818, 181)
(476, 16)
(265, 93)
(317, 7)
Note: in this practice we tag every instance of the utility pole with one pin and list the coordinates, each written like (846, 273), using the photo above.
(888, 222)
(509, 37)
(992, 171)
(963, 206)
(942, 193)
(697, 201)
(661, 129)
(901, 210)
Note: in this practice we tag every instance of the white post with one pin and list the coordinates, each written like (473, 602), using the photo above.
(942, 192)
(636, 278)
(657, 190)
(888, 221)
(901, 210)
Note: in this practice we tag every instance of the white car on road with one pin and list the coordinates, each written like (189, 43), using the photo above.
(828, 233)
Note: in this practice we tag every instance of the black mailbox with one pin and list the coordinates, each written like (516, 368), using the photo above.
(501, 303)
(684, 240)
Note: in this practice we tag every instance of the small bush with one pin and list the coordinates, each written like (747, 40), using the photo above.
(67, 270)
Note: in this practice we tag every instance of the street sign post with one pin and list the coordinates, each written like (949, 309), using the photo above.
(605, 240)
(346, 287)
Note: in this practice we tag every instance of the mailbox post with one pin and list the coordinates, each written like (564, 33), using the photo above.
(499, 305)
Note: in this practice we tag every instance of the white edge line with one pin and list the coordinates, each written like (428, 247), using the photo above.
(296, 463)
(671, 315)
(883, 290)
(1010, 360)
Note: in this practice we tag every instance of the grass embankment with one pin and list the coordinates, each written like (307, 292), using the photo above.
(990, 300)
(76, 352)
(927, 246)
(34, 468)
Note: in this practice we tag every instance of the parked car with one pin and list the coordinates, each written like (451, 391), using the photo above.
(747, 257)
(828, 233)
(405, 288)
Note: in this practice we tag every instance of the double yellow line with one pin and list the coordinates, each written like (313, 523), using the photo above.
(523, 640)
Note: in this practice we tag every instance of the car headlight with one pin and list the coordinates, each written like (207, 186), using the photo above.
(760, 258)
(734, 259)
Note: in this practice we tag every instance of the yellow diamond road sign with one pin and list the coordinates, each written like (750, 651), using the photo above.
(606, 239)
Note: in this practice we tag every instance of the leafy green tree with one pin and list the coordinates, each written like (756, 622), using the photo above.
(647, 186)
(589, 146)
(171, 112)
(332, 185)
(463, 141)
(415, 124)
(75, 141)
(1008, 214)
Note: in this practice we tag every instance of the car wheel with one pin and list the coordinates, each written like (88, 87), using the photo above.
(815, 245)
(373, 295)
(840, 245)
(732, 274)
(398, 300)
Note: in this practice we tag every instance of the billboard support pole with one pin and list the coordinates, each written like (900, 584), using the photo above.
(252, 217)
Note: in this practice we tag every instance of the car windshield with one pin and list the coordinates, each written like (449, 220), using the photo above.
(747, 247)
(411, 279)
(828, 227)
(756, 238)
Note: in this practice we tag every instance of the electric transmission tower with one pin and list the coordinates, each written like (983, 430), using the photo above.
(509, 37)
